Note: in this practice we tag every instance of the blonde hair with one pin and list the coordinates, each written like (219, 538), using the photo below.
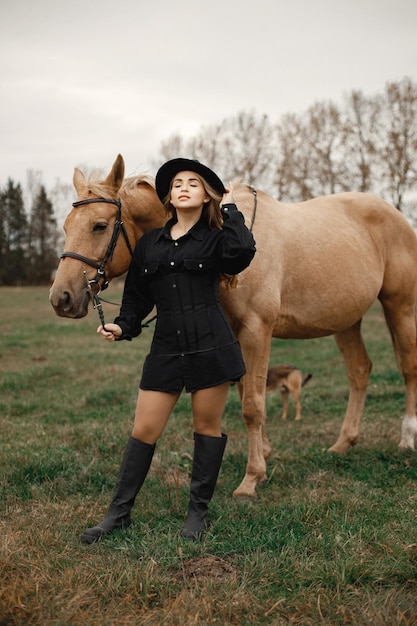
(212, 213)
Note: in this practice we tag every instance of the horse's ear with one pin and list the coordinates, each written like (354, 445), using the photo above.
(78, 179)
(116, 176)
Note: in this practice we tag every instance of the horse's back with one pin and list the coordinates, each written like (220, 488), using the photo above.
(320, 264)
(344, 224)
(353, 211)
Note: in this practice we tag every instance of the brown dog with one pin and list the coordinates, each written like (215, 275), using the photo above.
(289, 380)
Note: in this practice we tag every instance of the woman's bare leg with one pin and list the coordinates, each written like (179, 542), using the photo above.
(208, 408)
(153, 409)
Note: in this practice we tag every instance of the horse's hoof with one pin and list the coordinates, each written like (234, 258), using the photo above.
(406, 445)
(246, 492)
(245, 497)
(341, 450)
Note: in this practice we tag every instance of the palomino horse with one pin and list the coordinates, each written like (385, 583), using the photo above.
(319, 267)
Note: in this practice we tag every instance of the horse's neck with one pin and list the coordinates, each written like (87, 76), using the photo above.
(144, 211)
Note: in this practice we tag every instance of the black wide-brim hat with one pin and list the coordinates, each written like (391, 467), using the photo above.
(168, 170)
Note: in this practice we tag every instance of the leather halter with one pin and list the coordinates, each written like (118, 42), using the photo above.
(118, 228)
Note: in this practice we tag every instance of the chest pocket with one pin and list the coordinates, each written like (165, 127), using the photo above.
(150, 269)
(199, 265)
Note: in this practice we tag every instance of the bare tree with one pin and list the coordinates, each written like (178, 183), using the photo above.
(360, 141)
(398, 154)
(34, 182)
(324, 130)
(172, 148)
(310, 158)
(249, 146)
(291, 163)
(207, 147)
(240, 146)
(62, 196)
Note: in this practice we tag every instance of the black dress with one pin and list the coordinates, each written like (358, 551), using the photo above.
(193, 344)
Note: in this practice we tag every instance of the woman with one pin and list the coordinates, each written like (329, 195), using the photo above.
(178, 268)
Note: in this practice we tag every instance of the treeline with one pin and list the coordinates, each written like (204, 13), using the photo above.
(28, 242)
(368, 143)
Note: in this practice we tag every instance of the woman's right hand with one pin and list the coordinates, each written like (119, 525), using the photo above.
(110, 331)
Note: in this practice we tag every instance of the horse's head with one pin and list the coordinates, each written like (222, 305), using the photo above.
(101, 232)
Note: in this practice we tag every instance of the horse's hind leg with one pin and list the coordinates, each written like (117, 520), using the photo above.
(358, 368)
(401, 322)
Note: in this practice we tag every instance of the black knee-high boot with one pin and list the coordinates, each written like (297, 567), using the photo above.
(135, 465)
(208, 455)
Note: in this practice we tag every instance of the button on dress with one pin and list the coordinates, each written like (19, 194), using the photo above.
(193, 346)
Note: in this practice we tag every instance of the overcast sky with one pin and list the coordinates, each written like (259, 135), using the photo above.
(82, 80)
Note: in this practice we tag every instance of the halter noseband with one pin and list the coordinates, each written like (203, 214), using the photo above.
(118, 228)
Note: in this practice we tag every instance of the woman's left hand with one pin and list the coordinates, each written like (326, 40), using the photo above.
(228, 196)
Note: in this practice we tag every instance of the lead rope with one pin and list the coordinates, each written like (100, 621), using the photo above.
(255, 206)
(96, 300)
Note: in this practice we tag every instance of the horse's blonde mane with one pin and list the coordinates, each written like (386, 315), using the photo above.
(133, 181)
(97, 186)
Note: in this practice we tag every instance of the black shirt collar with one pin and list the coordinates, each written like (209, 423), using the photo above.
(197, 231)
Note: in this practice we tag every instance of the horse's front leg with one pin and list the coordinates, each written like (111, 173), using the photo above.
(358, 368)
(256, 348)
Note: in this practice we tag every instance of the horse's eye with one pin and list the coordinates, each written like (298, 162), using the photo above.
(99, 227)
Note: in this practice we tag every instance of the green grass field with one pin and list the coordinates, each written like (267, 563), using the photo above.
(330, 540)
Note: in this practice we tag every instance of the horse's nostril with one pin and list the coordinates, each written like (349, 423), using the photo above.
(66, 301)
(61, 301)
